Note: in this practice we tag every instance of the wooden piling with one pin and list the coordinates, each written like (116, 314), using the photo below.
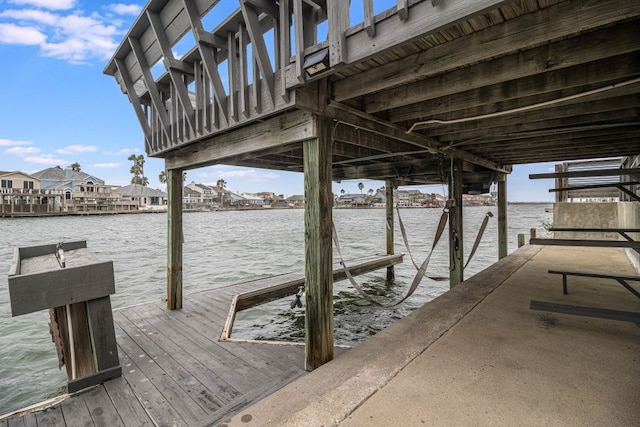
(520, 240)
(503, 247)
(318, 250)
(456, 253)
(532, 233)
(174, 237)
(390, 230)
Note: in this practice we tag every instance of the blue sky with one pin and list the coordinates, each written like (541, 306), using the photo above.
(59, 108)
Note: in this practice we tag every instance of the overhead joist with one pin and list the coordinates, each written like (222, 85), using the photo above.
(156, 98)
(343, 113)
(588, 47)
(525, 31)
(285, 129)
(177, 78)
(577, 151)
(588, 105)
(529, 90)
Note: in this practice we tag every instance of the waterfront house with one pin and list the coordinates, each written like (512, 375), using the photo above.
(296, 201)
(191, 199)
(21, 192)
(77, 191)
(145, 198)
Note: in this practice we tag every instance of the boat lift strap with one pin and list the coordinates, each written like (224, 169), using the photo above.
(416, 280)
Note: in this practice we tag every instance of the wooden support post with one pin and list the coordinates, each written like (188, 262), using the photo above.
(456, 253)
(532, 233)
(520, 240)
(390, 237)
(318, 198)
(174, 236)
(503, 246)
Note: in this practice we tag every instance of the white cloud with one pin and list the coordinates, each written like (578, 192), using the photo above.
(46, 159)
(22, 151)
(77, 149)
(125, 9)
(122, 152)
(105, 165)
(46, 4)
(13, 142)
(250, 174)
(15, 34)
(71, 35)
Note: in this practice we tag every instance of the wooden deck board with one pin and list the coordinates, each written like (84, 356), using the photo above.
(175, 369)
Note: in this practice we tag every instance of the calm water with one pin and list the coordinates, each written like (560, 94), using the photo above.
(223, 248)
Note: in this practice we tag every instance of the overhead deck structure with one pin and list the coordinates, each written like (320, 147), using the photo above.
(405, 91)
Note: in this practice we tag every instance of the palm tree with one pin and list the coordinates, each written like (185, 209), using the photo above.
(163, 177)
(360, 187)
(75, 167)
(137, 170)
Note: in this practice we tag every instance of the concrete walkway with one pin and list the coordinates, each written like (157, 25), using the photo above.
(478, 355)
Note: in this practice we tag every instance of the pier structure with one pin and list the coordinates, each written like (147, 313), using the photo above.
(406, 92)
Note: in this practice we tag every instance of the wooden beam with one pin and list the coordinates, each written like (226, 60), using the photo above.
(338, 21)
(176, 79)
(285, 47)
(525, 31)
(298, 30)
(255, 34)
(285, 129)
(390, 225)
(318, 249)
(369, 23)
(208, 56)
(136, 103)
(174, 239)
(456, 232)
(503, 236)
(528, 90)
(403, 9)
(606, 43)
(586, 173)
(373, 124)
(154, 92)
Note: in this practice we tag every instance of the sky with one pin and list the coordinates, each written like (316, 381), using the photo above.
(59, 108)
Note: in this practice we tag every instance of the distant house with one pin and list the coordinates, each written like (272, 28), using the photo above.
(191, 199)
(296, 201)
(21, 192)
(352, 200)
(77, 191)
(145, 198)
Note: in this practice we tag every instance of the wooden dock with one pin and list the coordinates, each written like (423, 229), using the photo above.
(175, 369)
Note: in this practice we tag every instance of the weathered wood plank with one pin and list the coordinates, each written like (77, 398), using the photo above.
(318, 246)
(456, 252)
(193, 333)
(160, 394)
(160, 360)
(64, 286)
(101, 408)
(51, 417)
(593, 46)
(164, 338)
(102, 333)
(286, 129)
(527, 30)
(130, 409)
(174, 239)
(75, 412)
(503, 243)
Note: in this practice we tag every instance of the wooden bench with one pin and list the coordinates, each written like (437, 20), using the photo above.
(622, 279)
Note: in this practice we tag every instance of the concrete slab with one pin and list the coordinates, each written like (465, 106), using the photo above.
(479, 356)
